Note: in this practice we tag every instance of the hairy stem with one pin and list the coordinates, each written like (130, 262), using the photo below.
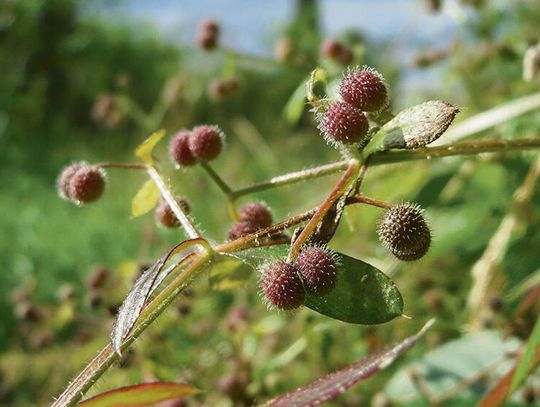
(465, 148)
(484, 270)
(337, 192)
(105, 358)
(292, 178)
(217, 179)
(127, 166)
(359, 198)
(186, 223)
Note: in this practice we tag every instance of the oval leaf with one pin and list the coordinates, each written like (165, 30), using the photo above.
(414, 127)
(363, 295)
(145, 199)
(144, 150)
(141, 394)
(330, 386)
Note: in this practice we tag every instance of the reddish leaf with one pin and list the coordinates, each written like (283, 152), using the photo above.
(330, 386)
(141, 394)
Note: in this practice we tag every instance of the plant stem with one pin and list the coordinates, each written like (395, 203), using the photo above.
(465, 148)
(127, 166)
(255, 59)
(252, 240)
(217, 179)
(105, 358)
(186, 223)
(337, 192)
(292, 178)
(486, 267)
(359, 198)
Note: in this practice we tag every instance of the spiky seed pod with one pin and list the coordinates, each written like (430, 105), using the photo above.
(86, 185)
(365, 89)
(206, 142)
(257, 214)
(318, 269)
(241, 228)
(62, 183)
(343, 123)
(405, 231)
(164, 214)
(282, 286)
(179, 149)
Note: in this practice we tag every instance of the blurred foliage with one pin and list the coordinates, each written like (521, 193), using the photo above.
(74, 87)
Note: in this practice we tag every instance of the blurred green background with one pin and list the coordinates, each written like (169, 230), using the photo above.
(90, 80)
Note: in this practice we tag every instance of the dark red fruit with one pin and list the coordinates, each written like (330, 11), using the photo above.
(241, 228)
(220, 88)
(257, 214)
(67, 173)
(318, 269)
(331, 48)
(179, 149)
(164, 214)
(282, 286)
(98, 277)
(208, 35)
(209, 26)
(344, 123)
(337, 51)
(405, 232)
(206, 142)
(86, 185)
(365, 89)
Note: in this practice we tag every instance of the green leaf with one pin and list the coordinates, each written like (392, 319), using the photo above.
(363, 295)
(448, 365)
(229, 273)
(144, 150)
(414, 127)
(526, 363)
(316, 85)
(145, 199)
(141, 394)
(295, 105)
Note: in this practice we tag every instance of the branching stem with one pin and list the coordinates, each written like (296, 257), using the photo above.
(337, 192)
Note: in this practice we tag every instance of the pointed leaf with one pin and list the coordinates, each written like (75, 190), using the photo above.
(141, 394)
(363, 295)
(414, 127)
(146, 284)
(144, 150)
(329, 387)
(145, 199)
(229, 273)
